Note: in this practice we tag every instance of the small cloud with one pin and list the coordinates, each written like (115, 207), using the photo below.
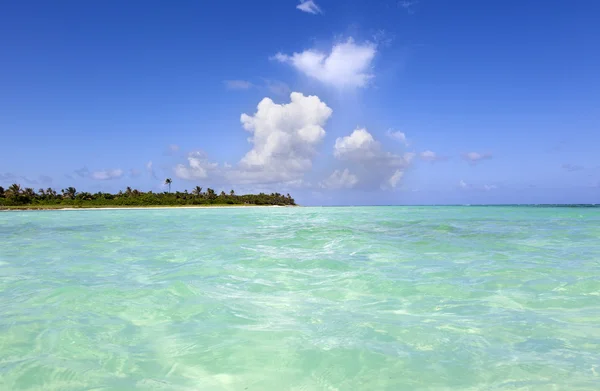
(309, 6)
(11, 178)
(105, 175)
(463, 185)
(339, 180)
(398, 136)
(475, 157)
(572, 167)
(382, 38)
(150, 170)
(408, 5)
(82, 172)
(395, 178)
(174, 147)
(347, 65)
(134, 173)
(198, 167)
(238, 84)
(431, 156)
(277, 87)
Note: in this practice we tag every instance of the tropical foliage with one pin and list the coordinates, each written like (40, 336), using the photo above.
(17, 196)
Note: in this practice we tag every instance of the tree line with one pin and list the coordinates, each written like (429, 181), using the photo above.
(15, 195)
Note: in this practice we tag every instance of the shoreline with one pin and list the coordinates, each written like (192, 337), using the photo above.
(71, 208)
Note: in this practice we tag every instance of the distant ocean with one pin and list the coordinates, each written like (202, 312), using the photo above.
(349, 298)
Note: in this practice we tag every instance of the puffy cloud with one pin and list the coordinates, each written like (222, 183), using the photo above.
(309, 6)
(489, 187)
(374, 166)
(475, 157)
(284, 138)
(398, 136)
(105, 175)
(197, 168)
(360, 146)
(572, 167)
(348, 65)
(339, 180)
(431, 156)
(238, 84)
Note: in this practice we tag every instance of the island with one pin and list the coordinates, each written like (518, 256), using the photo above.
(16, 197)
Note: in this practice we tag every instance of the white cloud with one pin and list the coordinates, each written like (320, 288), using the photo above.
(309, 6)
(463, 184)
(398, 136)
(373, 166)
(489, 187)
(348, 65)
(284, 139)
(107, 174)
(198, 167)
(431, 156)
(238, 84)
(360, 144)
(475, 157)
(395, 178)
(173, 147)
(340, 180)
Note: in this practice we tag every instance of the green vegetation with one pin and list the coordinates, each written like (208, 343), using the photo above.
(16, 197)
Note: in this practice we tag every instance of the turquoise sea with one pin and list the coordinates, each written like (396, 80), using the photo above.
(357, 298)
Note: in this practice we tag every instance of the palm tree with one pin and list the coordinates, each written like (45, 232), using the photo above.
(168, 181)
(14, 190)
(29, 192)
(50, 191)
(1, 191)
(128, 190)
(69, 192)
(211, 194)
(42, 192)
(232, 193)
(197, 190)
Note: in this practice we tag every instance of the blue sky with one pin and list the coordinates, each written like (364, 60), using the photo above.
(367, 102)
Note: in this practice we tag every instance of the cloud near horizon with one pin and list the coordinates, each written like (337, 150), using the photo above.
(373, 166)
(284, 140)
(105, 175)
(347, 65)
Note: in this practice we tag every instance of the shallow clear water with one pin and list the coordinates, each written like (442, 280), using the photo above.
(374, 298)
